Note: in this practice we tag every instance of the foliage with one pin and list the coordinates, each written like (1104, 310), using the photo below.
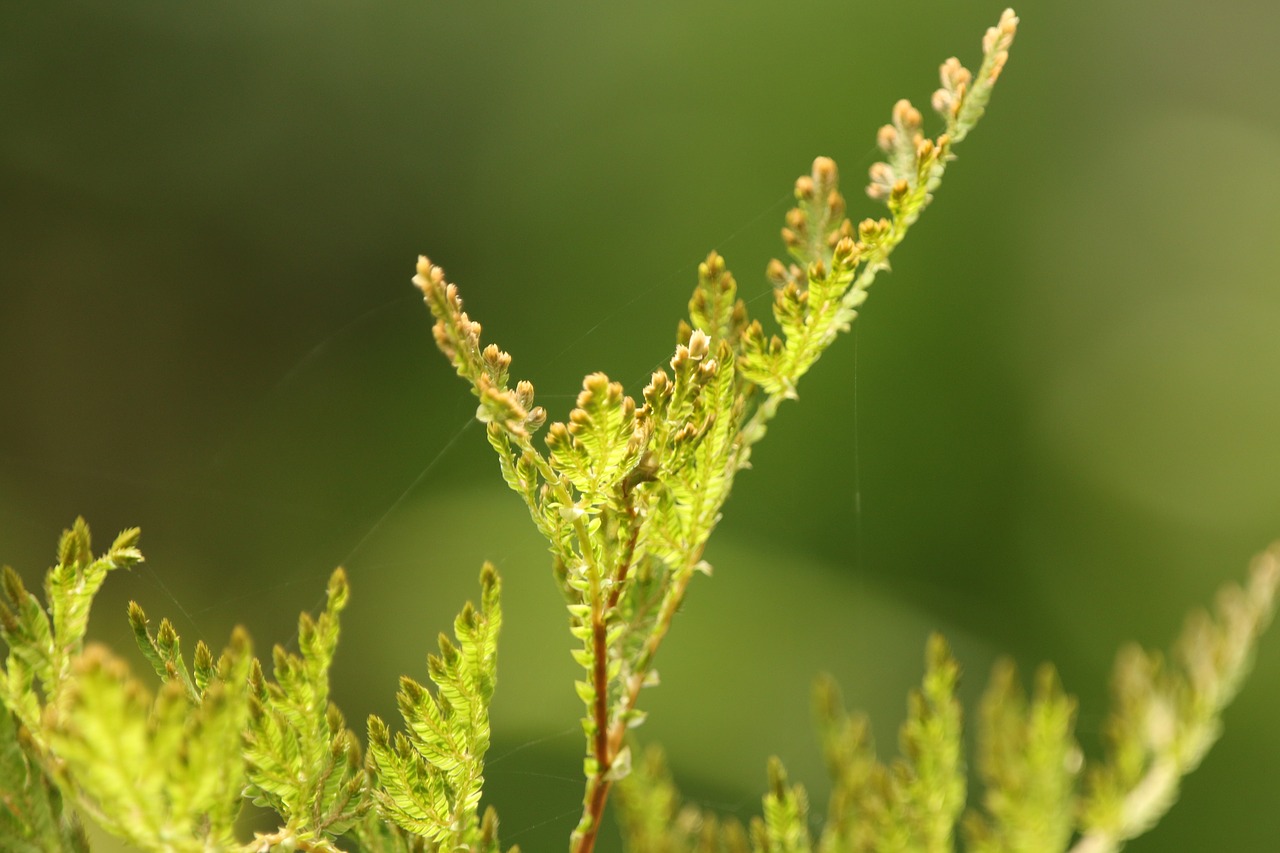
(627, 493)
(171, 772)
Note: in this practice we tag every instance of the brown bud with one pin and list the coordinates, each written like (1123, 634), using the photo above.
(942, 101)
(658, 383)
(845, 254)
(776, 271)
(835, 205)
(537, 417)
(699, 344)
(712, 267)
(997, 65)
(557, 434)
(905, 116)
(887, 137)
(824, 172)
(804, 187)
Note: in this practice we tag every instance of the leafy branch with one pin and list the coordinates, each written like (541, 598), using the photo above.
(627, 493)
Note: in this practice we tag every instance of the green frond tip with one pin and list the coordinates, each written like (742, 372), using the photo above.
(163, 650)
(715, 307)
(653, 818)
(428, 780)
(32, 816)
(303, 761)
(602, 441)
(163, 772)
(913, 803)
(1028, 760)
(933, 774)
(45, 639)
(1166, 714)
(486, 368)
(785, 827)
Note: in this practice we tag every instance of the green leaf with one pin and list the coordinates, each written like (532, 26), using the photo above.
(429, 781)
(32, 818)
(163, 773)
(1028, 761)
(1166, 715)
(303, 761)
(785, 826)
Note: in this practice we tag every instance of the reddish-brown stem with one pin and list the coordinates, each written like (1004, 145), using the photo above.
(606, 742)
(600, 675)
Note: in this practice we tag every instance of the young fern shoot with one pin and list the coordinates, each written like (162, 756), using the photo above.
(627, 493)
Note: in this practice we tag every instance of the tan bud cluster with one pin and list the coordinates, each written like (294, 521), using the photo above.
(907, 118)
(792, 294)
(659, 384)
(496, 360)
(955, 85)
(825, 174)
(537, 417)
(887, 138)
(954, 75)
(713, 267)
(944, 102)
(500, 406)
(557, 435)
(699, 345)
(597, 385)
(845, 255)
(776, 272)
(707, 371)
(441, 333)
(882, 180)
(804, 188)
(428, 275)
(995, 44)
(835, 206)
(1001, 35)
(872, 231)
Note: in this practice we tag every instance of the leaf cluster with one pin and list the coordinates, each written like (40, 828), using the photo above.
(171, 769)
(627, 492)
(1040, 795)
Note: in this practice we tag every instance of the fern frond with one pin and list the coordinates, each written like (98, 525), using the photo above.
(1167, 714)
(44, 640)
(303, 761)
(1028, 760)
(428, 781)
(33, 818)
(163, 773)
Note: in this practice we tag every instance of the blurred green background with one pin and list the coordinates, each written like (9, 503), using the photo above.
(1053, 430)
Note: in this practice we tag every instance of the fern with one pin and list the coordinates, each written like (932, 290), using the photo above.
(626, 492)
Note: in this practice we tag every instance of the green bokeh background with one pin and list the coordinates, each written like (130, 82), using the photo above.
(1053, 430)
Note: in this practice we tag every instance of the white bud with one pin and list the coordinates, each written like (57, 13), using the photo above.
(699, 344)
